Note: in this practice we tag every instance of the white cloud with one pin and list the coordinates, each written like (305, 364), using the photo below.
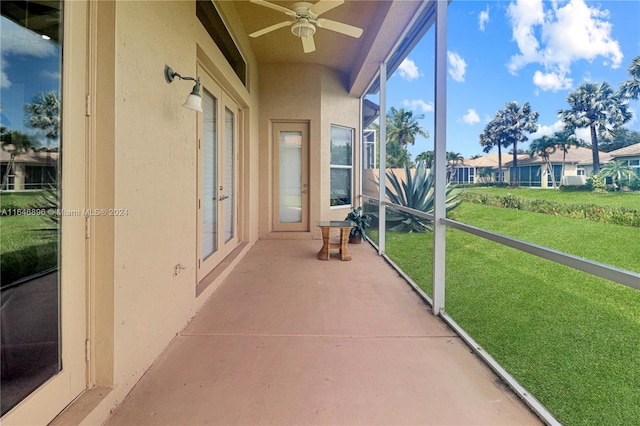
(4, 80)
(546, 130)
(553, 81)
(16, 39)
(457, 66)
(584, 134)
(471, 117)
(418, 104)
(408, 70)
(483, 18)
(555, 38)
(54, 75)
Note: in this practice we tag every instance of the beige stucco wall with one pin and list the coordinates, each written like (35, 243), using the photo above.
(317, 95)
(152, 144)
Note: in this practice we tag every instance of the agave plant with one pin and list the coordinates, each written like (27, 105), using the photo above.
(416, 193)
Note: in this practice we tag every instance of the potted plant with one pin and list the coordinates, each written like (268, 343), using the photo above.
(361, 223)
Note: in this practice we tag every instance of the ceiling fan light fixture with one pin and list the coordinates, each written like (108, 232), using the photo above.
(303, 28)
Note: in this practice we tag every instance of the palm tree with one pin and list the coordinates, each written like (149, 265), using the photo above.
(564, 140)
(494, 136)
(15, 143)
(427, 157)
(630, 89)
(617, 171)
(597, 107)
(544, 147)
(453, 158)
(44, 114)
(516, 122)
(403, 127)
(397, 155)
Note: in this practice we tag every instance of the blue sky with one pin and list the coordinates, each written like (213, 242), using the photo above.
(525, 51)
(28, 64)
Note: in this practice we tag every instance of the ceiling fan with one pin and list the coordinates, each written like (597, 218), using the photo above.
(305, 20)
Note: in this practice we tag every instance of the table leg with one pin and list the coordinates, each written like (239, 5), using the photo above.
(324, 253)
(344, 240)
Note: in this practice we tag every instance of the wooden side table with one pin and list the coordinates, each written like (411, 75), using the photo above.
(327, 245)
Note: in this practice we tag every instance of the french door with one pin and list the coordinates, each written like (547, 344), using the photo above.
(43, 296)
(291, 176)
(217, 175)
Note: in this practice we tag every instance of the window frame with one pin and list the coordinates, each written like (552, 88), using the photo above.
(341, 166)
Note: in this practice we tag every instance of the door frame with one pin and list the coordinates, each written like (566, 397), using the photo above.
(48, 400)
(285, 126)
(224, 248)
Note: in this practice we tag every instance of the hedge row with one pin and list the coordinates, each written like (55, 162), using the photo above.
(612, 215)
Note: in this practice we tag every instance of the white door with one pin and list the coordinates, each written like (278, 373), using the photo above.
(217, 175)
(291, 177)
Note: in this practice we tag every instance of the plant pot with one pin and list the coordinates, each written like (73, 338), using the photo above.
(355, 240)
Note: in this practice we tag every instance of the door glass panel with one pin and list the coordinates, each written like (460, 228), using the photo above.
(229, 137)
(210, 176)
(290, 145)
(30, 88)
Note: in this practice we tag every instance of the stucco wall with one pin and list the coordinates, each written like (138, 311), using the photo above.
(155, 165)
(315, 94)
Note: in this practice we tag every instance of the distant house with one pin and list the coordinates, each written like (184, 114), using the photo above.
(481, 170)
(629, 155)
(29, 171)
(536, 172)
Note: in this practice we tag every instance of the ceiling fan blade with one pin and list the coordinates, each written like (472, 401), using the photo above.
(339, 27)
(324, 5)
(308, 45)
(274, 6)
(271, 28)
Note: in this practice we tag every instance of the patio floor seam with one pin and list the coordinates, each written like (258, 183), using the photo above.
(326, 336)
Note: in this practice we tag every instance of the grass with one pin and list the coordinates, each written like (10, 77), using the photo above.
(20, 200)
(571, 339)
(25, 248)
(629, 200)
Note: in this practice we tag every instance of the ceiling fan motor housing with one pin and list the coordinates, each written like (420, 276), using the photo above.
(303, 28)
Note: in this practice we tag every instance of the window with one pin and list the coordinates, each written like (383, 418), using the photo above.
(341, 165)
(213, 23)
(581, 171)
(369, 149)
(557, 176)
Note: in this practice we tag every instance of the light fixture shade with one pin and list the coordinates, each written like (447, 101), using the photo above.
(193, 102)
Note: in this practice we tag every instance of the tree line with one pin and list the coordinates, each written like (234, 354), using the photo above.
(596, 106)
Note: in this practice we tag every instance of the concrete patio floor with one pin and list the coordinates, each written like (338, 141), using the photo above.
(289, 339)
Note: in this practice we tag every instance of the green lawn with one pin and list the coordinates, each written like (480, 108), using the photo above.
(571, 339)
(629, 200)
(25, 247)
(20, 200)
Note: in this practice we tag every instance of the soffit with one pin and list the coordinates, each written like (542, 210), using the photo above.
(383, 22)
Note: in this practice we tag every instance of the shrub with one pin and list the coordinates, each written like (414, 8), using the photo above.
(510, 201)
(597, 184)
(416, 193)
(613, 215)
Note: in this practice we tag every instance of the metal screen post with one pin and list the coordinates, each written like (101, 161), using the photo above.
(382, 212)
(440, 177)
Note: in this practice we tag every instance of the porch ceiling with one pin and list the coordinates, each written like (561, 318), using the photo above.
(384, 22)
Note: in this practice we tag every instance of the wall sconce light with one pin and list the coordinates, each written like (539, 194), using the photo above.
(194, 100)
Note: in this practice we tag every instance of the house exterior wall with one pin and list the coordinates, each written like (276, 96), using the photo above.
(314, 94)
(146, 163)
(141, 158)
